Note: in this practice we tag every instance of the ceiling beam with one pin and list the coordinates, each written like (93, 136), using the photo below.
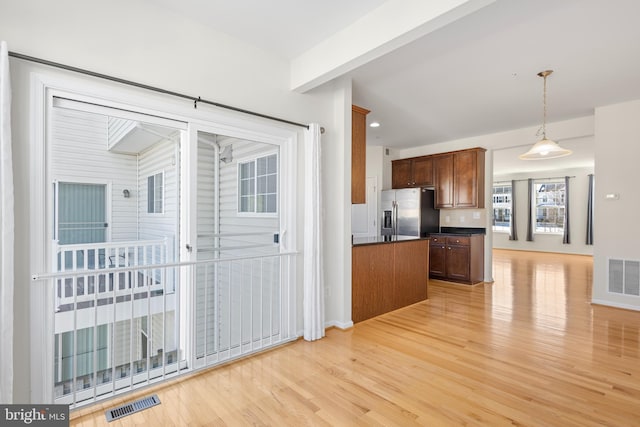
(388, 27)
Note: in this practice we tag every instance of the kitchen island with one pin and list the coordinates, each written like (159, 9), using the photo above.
(388, 272)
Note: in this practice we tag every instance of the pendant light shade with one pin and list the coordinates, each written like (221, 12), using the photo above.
(545, 148)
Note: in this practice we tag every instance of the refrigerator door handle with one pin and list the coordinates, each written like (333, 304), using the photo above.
(395, 219)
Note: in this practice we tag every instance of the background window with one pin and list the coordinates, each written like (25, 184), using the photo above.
(258, 185)
(502, 207)
(154, 193)
(550, 200)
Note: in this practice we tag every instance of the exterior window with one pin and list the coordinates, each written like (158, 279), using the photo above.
(550, 199)
(258, 185)
(155, 193)
(501, 207)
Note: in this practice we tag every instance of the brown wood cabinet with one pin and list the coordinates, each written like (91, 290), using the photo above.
(459, 179)
(413, 172)
(388, 276)
(437, 257)
(457, 258)
(443, 176)
(358, 154)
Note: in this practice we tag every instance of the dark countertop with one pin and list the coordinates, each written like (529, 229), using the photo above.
(460, 231)
(374, 240)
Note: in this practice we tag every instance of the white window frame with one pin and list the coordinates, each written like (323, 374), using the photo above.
(254, 160)
(493, 201)
(537, 230)
(149, 192)
(44, 86)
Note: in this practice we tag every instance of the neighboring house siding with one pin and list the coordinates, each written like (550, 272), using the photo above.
(118, 128)
(230, 221)
(243, 292)
(206, 196)
(162, 157)
(79, 154)
(205, 298)
(251, 288)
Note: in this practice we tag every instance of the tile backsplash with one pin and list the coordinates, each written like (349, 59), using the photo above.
(463, 217)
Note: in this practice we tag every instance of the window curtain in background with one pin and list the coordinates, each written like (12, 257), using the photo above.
(6, 232)
(313, 278)
(530, 224)
(513, 228)
(590, 212)
(566, 238)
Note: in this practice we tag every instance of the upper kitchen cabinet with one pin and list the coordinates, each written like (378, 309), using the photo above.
(413, 172)
(459, 179)
(358, 154)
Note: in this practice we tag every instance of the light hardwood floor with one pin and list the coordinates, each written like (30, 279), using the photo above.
(528, 349)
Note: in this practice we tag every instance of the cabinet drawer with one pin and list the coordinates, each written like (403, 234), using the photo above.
(437, 240)
(458, 240)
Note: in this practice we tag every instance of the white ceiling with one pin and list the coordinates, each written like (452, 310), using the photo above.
(474, 76)
(284, 27)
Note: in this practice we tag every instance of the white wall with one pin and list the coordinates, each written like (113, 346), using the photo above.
(131, 40)
(336, 161)
(578, 191)
(374, 170)
(617, 233)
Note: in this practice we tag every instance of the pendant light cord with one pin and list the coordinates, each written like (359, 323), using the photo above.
(544, 107)
(544, 75)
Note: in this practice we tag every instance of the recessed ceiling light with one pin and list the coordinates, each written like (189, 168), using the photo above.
(374, 125)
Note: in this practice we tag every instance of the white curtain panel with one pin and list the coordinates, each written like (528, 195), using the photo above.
(6, 232)
(313, 277)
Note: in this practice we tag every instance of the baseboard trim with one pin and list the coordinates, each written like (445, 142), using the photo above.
(339, 325)
(615, 304)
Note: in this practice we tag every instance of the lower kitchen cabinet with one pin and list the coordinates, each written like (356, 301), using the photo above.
(388, 276)
(457, 258)
(437, 257)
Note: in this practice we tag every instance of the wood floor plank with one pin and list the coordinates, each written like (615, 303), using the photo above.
(526, 350)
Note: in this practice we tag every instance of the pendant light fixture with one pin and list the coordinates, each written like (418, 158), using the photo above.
(545, 148)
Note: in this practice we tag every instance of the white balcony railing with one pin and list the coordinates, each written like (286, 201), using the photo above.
(219, 310)
(95, 270)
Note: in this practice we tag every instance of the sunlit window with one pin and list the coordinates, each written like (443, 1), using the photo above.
(549, 207)
(502, 207)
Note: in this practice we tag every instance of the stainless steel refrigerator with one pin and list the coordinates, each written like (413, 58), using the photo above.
(409, 212)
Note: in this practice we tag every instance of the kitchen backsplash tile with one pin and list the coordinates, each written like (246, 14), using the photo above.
(463, 217)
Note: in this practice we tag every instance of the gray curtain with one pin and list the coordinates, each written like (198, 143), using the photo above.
(530, 224)
(566, 239)
(513, 229)
(590, 212)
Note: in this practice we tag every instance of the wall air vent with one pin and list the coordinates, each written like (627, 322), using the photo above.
(132, 408)
(624, 277)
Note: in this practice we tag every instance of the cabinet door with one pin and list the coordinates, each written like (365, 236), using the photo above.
(458, 262)
(465, 167)
(358, 154)
(422, 170)
(437, 259)
(443, 174)
(401, 174)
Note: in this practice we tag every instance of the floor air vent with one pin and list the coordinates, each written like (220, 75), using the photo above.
(132, 408)
(624, 277)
